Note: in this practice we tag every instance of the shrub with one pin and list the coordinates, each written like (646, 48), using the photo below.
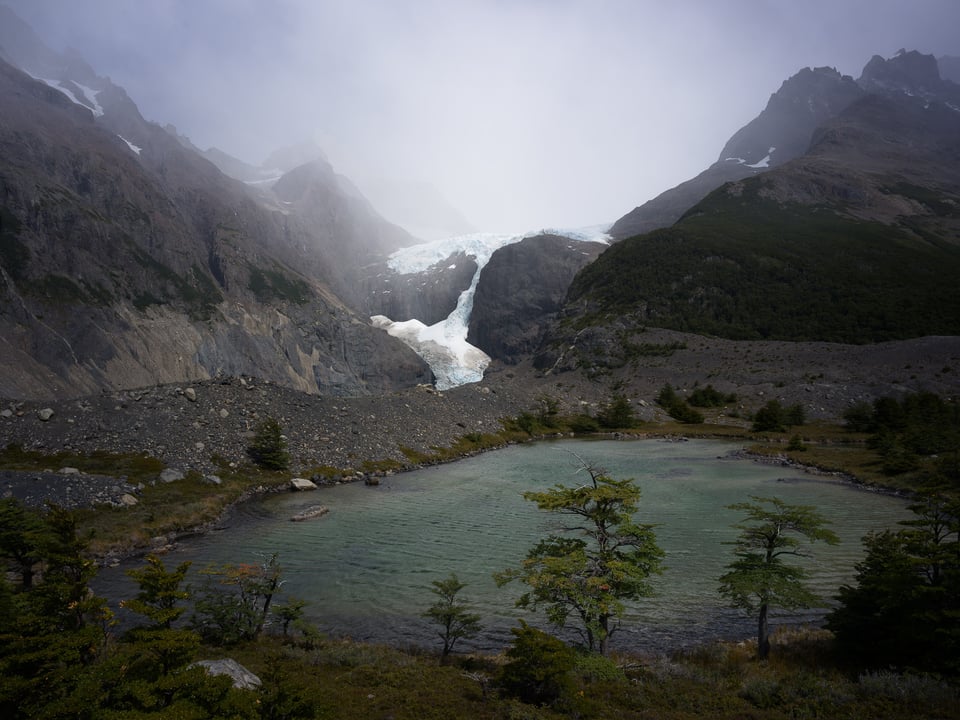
(709, 396)
(539, 666)
(677, 407)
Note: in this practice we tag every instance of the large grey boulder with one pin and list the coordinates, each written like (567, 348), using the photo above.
(242, 678)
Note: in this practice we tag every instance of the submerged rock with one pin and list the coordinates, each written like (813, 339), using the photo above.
(314, 511)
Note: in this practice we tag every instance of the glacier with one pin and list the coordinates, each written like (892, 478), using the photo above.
(443, 345)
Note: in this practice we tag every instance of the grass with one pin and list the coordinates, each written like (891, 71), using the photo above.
(344, 679)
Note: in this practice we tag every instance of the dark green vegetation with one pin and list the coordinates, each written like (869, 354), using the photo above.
(773, 417)
(269, 446)
(904, 610)
(677, 407)
(195, 290)
(760, 579)
(274, 283)
(744, 267)
(603, 559)
(919, 433)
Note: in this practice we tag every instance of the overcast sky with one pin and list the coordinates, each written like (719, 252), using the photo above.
(524, 113)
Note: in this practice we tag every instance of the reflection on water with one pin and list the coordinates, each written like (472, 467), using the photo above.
(365, 568)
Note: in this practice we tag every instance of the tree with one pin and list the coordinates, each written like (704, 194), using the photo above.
(774, 417)
(21, 534)
(160, 648)
(452, 616)
(904, 608)
(234, 602)
(618, 413)
(759, 578)
(590, 575)
(269, 446)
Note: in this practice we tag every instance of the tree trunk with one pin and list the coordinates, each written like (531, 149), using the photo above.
(763, 638)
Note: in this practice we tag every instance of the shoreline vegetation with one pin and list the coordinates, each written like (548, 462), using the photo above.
(172, 511)
(307, 674)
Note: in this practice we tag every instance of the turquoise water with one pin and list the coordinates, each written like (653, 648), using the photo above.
(365, 568)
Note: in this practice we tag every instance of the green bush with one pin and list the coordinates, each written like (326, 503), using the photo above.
(539, 667)
(677, 407)
(709, 396)
(773, 417)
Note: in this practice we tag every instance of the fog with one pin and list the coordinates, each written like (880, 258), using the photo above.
(523, 113)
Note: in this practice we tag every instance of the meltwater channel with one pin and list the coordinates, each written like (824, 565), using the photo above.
(366, 567)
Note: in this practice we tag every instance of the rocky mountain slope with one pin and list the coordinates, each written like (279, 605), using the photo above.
(127, 259)
(857, 240)
(781, 132)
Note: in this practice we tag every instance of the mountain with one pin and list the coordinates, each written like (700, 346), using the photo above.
(780, 133)
(127, 259)
(949, 68)
(520, 291)
(856, 241)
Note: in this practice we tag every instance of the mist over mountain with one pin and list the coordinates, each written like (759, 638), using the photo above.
(949, 68)
(129, 259)
(780, 133)
(856, 239)
(131, 256)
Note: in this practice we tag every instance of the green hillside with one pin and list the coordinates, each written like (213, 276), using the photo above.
(748, 268)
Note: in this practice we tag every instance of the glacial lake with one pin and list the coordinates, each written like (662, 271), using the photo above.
(365, 568)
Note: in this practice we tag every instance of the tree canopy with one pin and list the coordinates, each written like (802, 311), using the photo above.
(759, 578)
(601, 560)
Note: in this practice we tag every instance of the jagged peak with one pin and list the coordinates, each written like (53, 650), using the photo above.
(908, 71)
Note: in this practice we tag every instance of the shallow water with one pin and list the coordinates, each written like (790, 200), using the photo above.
(366, 567)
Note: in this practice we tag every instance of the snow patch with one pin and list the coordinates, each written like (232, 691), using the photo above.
(444, 345)
(91, 95)
(765, 162)
(130, 145)
(739, 161)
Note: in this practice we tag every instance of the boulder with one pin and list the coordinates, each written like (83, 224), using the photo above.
(242, 678)
(45, 414)
(171, 474)
(302, 484)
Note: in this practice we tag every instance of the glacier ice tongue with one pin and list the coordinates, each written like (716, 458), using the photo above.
(443, 345)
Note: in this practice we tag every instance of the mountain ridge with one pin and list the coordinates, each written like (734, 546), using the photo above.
(172, 272)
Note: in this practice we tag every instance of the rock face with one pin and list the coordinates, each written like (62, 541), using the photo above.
(780, 133)
(126, 259)
(520, 290)
(429, 296)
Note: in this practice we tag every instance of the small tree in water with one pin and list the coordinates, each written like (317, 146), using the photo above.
(590, 576)
(759, 578)
(452, 616)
